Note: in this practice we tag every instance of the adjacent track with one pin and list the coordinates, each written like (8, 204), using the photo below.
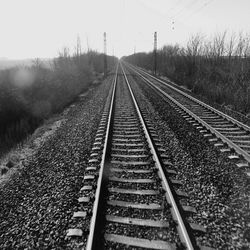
(135, 204)
(218, 127)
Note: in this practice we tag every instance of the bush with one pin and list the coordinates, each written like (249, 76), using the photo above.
(217, 68)
(30, 94)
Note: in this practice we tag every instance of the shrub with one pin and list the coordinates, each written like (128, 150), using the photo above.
(217, 68)
(30, 94)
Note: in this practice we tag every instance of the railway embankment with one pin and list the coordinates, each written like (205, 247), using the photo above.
(38, 191)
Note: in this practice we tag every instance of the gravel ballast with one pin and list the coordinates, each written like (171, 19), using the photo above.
(227, 109)
(37, 202)
(139, 205)
(217, 188)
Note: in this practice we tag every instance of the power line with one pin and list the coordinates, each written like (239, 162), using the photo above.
(202, 7)
(105, 54)
(184, 8)
(199, 9)
(155, 52)
(153, 9)
(163, 16)
(174, 7)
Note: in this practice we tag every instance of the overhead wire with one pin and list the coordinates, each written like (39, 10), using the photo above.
(163, 16)
(190, 4)
(174, 18)
(197, 10)
(202, 7)
(175, 6)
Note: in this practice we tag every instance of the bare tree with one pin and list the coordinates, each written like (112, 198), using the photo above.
(231, 47)
(219, 46)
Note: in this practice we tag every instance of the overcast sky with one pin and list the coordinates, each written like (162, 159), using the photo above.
(40, 28)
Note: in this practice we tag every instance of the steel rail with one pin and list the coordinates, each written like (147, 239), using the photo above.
(210, 128)
(92, 229)
(181, 225)
(229, 118)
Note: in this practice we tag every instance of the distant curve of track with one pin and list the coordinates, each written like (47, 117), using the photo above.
(136, 202)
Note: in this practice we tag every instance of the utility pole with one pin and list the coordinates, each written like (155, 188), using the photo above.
(155, 53)
(88, 54)
(87, 41)
(105, 54)
(113, 55)
(78, 48)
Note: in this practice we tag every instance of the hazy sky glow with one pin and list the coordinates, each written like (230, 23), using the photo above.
(40, 28)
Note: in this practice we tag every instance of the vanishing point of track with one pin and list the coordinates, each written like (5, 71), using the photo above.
(136, 202)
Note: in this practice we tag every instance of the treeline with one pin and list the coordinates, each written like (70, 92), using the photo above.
(216, 68)
(28, 95)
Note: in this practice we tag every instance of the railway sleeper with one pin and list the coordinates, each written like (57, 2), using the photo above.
(130, 156)
(134, 191)
(116, 179)
(127, 204)
(138, 242)
(137, 222)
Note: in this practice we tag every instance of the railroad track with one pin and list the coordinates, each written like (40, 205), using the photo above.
(130, 183)
(226, 133)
